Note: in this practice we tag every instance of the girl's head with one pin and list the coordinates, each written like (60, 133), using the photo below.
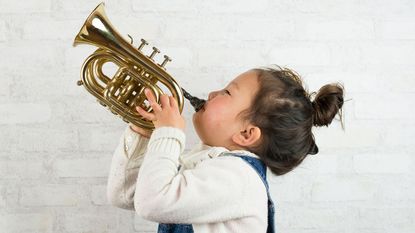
(269, 112)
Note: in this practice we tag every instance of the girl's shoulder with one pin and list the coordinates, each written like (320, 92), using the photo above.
(231, 162)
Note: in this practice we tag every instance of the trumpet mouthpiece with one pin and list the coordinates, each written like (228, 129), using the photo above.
(194, 101)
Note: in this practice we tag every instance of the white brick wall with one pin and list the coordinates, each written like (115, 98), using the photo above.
(56, 141)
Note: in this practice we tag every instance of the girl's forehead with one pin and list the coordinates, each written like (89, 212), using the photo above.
(246, 78)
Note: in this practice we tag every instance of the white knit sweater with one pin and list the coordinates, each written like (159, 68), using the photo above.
(213, 192)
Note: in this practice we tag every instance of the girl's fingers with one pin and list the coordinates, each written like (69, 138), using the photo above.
(173, 102)
(145, 114)
(150, 95)
(164, 99)
(152, 99)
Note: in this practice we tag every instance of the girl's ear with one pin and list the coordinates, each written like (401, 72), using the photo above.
(248, 136)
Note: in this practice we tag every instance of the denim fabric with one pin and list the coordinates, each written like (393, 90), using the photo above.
(261, 169)
(175, 228)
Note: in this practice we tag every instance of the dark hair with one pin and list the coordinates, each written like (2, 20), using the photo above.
(283, 110)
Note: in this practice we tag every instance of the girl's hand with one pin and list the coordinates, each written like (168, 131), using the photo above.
(141, 131)
(167, 114)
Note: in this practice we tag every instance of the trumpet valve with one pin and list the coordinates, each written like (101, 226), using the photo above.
(155, 51)
(131, 39)
(166, 59)
(143, 43)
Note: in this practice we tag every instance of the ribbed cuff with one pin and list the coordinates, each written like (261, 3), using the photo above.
(133, 141)
(167, 140)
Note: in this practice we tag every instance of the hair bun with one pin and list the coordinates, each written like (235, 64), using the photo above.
(327, 103)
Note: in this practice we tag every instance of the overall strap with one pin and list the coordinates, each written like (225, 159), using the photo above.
(261, 169)
(257, 164)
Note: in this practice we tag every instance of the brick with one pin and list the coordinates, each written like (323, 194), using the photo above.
(51, 195)
(77, 168)
(346, 56)
(399, 219)
(101, 138)
(53, 88)
(77, 9)
(23, 113)
(326, 219)
(354, 136)
(353, 81)
(74, 57)
(207, 80)
(311, 55)
(400, 187)
(393, 80)
(29, 6)
(397, 29)
(2, 196)
(403, 82)
(322, 163)
(12, 193)
(235, 58)
(243, 6)
(86, 110)
(7, 139)
(22, 169)
(27, 222)
(382, 163)
(25, 59)
(3, 31)
(6, 82)
(388, 9)
(354, 9)
(47, 139)
(388, 53)
(351, 188)
(99, 195)
(176, 6)
(398, 135)
(96, 219)
(291, 187)
(202, 29)
(47, 28)
(387, 106)
(338, 30)
(142, 225)
(262, 29)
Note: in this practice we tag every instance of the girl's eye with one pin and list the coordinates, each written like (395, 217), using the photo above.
(227, 92)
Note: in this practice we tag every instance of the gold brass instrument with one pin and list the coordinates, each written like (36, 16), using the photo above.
(123, 92)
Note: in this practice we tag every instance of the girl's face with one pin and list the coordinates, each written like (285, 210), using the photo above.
(217, 123)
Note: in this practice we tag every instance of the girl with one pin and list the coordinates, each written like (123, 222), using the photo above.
(261, 119)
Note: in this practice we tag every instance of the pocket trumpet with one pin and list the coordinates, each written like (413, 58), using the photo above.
(136, 71)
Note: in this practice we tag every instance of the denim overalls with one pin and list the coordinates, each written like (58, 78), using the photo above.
(261, 169)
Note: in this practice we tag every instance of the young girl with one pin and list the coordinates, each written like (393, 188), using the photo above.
(261, 119)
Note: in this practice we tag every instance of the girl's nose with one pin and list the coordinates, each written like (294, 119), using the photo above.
(212, 94)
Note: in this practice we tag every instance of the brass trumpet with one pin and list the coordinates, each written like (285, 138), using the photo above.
(136, 71)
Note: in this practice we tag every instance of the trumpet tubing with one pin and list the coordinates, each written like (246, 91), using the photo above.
(135, 71)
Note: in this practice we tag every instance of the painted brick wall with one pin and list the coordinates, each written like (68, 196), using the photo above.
(56, 141)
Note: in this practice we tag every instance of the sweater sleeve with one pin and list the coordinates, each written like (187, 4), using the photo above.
(126, 161)
(213, 191)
